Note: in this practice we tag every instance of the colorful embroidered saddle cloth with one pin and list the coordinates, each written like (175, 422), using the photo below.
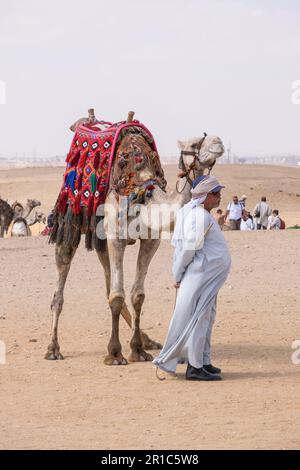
(90, 160)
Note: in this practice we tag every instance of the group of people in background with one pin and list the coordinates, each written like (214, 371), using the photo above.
(237, 217)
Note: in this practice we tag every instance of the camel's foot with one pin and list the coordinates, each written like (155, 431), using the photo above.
(115, 360)
(140, 356)
(148, 343)
(53, 353)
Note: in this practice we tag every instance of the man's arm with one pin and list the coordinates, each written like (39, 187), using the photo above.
(182, 258)
(227, 212)
(196, 230)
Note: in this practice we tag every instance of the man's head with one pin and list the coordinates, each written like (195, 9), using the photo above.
(245, 215)
(263, 199)
(275, 212)
(208, 190)
(212, 200)
(235, 199)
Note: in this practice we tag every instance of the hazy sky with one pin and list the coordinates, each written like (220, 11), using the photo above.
(185, 66)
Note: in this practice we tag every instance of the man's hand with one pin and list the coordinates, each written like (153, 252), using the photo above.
(177, 285)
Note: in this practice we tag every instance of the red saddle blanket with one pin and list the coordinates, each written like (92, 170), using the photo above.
(89, 164)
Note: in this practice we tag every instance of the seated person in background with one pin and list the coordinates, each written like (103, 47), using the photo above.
(246, 222)
(50, 222)
(220, 218)
(274, 221)
(50, 219)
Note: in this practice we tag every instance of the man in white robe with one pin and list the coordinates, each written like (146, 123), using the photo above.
(200, 267)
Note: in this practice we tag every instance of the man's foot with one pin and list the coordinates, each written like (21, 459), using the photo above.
(200, 374)
(211, 369)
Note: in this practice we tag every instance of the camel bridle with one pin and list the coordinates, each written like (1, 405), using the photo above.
(185, 171)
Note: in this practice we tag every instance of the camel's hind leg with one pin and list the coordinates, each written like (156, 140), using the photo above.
(147, 342)
(146, 253)
(63, 258)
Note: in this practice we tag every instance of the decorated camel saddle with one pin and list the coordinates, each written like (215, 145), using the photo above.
(102, 159)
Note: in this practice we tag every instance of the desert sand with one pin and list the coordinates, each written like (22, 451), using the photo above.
(81, 403)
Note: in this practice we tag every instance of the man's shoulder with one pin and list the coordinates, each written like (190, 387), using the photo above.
(201, 212)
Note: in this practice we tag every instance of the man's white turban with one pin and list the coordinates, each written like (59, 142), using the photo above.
(207, 184)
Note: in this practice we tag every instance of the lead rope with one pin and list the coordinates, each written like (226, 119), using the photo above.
(179, 192)
(161, 379)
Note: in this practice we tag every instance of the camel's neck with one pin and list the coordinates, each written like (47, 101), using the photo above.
(182, 193)
(175, 199)
(32, 219)
(27, 210)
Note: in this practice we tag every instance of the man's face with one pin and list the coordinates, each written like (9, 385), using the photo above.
(212, 200)
(235, 199)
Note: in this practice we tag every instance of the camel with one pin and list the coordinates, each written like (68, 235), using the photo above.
(20, 226)
(9, 213)
(6, 217)
(197, 155)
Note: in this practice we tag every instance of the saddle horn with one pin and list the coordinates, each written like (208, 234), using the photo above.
(91, 119)
(130, 116)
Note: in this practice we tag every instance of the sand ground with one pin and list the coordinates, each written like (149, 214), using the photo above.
(80, 403)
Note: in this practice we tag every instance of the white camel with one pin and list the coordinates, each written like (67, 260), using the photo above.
(196, 156)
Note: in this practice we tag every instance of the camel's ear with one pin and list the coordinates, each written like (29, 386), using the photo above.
(180, 144)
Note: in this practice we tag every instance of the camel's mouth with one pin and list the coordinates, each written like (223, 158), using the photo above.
(217, 150)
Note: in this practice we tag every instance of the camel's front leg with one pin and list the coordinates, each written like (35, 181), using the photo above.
(148, 343)
(103, 256)
(116, 250)
(146, 253)
(63, 258)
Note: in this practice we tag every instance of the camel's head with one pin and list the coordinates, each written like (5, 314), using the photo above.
(202, 152)
(32, 203)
